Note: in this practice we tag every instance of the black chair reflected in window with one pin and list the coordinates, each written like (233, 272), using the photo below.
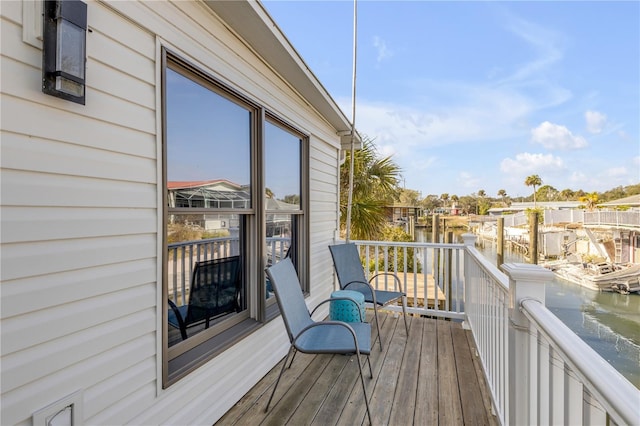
(215, 292)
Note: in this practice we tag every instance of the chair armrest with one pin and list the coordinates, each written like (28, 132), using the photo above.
(395, 277)
(371, 289)
(339, 298)
(181, 324)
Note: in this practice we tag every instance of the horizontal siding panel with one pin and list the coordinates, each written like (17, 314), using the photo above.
(119, 55)
(12, 10)
(13, 47)
(324, 199)
(133, 378)
(19, 116)
(323, 153)
(56, 328)
(325, 188)
(130, 35)
(33, 259)
(63, 351)
(120, 412)
(25, 295)
(17, 405)
(22, 224)
(40, 155)
(42, 189)
(107, 79)
(27, 84)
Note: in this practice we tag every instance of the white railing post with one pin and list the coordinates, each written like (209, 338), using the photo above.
(525, 282)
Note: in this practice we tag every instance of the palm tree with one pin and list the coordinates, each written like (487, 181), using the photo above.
(533, 180)
(503, 194)
(375, 186)
(445, 197)
(590, 200)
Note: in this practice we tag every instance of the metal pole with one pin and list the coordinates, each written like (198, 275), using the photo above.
(353, 120)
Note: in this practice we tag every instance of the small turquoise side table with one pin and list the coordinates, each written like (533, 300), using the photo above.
(346, 310)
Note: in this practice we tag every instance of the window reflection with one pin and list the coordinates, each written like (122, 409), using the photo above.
(208, 156)
(208, 149)
(282, 168)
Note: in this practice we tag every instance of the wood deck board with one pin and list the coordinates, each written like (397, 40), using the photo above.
(384, 393)
(432, 378)
(407, 385)
(449, 408)
(426, 408)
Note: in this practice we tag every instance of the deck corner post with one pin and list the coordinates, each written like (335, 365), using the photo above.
(526, 281)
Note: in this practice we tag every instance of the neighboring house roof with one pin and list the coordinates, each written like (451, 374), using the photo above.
(216, 183)
(554, 205)
(633, 200)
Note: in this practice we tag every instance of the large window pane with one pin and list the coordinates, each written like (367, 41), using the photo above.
(208, 158)
(282, 168)
(209, 147)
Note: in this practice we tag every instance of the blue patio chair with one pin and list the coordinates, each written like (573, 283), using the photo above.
(350, 272)
(214, 291)
(315, 337)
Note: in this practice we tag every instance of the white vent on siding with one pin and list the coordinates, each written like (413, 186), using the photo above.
(65, 412)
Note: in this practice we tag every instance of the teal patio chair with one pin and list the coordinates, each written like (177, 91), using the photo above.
(350, 272)
(315, 337)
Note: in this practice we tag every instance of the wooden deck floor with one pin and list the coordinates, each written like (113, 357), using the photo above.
(430, 378)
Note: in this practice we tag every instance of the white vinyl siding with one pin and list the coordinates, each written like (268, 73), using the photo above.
(80, 279)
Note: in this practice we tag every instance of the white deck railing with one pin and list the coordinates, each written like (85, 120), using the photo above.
(538, 371)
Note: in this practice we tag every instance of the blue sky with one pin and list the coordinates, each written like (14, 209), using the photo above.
(479, 95)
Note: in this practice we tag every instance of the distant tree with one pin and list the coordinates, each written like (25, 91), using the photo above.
(567, 194)
(430, 202)
(455, 199)
(292, 199)
(590, 200)
(445, 197)
(547, 192)
(503, 195)
(409, 197)
(533, 180)
(482, 193)
(484, 204)
(468, 204)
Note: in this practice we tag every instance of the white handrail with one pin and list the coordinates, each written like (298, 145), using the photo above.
(618, 396)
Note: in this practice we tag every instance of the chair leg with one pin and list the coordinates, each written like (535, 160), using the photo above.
(369, 362)
(404, 314)
(284, 364)
(364, 388)
(293, 357)
(375, 316)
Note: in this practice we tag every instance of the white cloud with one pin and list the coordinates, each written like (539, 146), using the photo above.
(555, 136)
(547, 44)
(616, 172)
(623, 135)
(468, 181)
(526, 163)
(383, 51)
(595, 121)
(636, 160)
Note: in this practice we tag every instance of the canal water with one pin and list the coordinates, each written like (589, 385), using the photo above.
(608, 322)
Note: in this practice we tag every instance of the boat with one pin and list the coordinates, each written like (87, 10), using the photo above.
(603, 276)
